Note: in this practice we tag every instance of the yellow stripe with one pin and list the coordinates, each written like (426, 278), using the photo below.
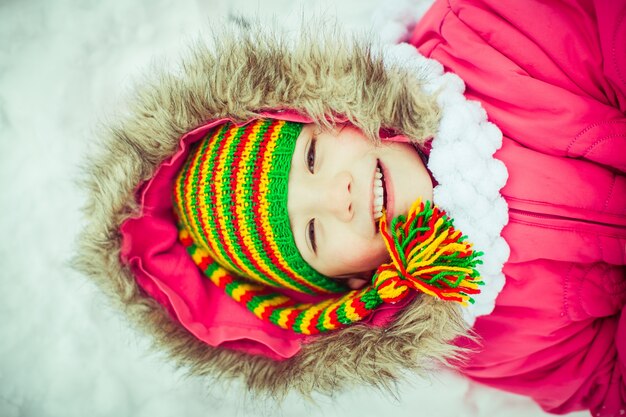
(238, 292)
(188, 192)
(351, 313)
(277, 300)
(245, 232)
(267, 230)
(240, 182)
(425, 290)
(264, 209)
(392, 291)
(327, 323)
(428, 241)
(218, 176)
(217, 275)
(283, 315)
(310, 313)
(194, 230)
(199, 254)
(443, 268)
(429, 257)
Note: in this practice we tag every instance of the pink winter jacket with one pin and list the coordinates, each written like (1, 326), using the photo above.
(552, 76)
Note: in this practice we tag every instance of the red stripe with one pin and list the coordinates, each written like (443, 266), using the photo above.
(431, 229)
(291, 319)
(267, 312)
(420, 221)
(333, 318)
(245, 138)
(359, 307)
(185, 210)
(247, 296)
(410, 218)
(186, 241)
(394, 251)
(394, 299)
(205, 262)
(413, 243)
(312, 328)
(257, 218)
(203, 157)
(451, 298)
(215, 213)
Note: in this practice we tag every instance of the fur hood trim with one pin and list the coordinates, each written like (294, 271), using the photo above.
(240, 73)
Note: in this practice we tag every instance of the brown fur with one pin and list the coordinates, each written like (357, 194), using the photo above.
(246, 71)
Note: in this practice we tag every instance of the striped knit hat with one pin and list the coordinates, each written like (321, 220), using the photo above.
(230, 198)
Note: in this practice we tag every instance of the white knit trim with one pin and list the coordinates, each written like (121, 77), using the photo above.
(469, 176)
(395, 19)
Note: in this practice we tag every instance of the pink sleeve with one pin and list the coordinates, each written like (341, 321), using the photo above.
(560, 64)
(611, 16)
(605, 392)
(551, 75)
(617, 396)
(551, 339)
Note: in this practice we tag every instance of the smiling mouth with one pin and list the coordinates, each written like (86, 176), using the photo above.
(380, 195)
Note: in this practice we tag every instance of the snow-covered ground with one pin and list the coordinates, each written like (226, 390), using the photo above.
(64, 64)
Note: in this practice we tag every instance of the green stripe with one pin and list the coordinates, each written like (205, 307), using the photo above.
(211, 237)
(187, 206)
(297, 324)
(341, 315)
(371, 298)
(245, 164)
(211, 268)
(258, 299)
(193, 187)
(227, 197)
(320, 320)
(275, 316)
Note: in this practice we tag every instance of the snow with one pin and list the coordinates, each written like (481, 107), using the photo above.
(64, 351)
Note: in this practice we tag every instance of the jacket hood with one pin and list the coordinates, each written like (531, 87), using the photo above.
(241, 73)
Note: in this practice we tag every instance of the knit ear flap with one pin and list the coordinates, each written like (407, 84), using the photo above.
(427, 254)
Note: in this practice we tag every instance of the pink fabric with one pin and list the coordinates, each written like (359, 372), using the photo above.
(165, 271)
(551, 76)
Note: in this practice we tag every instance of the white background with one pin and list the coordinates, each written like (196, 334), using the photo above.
(64, 64)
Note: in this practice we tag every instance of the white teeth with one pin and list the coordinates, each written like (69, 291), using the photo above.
(378, 194)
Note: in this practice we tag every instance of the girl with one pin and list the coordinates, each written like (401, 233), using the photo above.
(548, 322)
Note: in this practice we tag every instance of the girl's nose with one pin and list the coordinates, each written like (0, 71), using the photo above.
(338, 197)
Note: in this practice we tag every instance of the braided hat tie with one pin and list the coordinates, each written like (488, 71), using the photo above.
(212, 196)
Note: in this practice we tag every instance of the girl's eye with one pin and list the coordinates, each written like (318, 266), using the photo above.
(310, 229)
(310, 155)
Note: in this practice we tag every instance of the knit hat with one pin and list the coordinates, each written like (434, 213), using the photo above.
(230, 198)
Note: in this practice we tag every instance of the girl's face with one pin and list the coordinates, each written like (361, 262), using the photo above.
(333, 192)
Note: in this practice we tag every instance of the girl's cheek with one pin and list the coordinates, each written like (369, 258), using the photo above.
(358, 258)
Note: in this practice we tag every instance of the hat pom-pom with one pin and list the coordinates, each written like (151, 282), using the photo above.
(428, 255)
